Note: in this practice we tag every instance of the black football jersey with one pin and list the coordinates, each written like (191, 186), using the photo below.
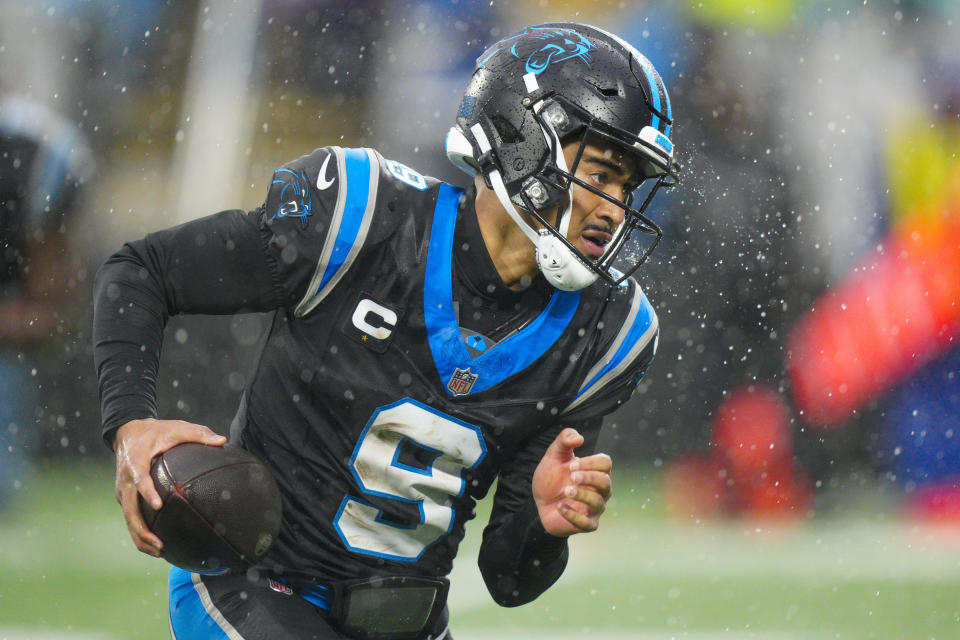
(384, 401)
(382, 414)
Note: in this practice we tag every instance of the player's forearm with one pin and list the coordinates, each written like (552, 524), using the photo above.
(519, 560)
(129, 317)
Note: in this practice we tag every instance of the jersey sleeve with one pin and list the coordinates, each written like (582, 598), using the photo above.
(317, 217)
(622, 363)
(212, 265)
(518, 559)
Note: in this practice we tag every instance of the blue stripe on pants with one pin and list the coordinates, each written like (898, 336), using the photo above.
(189, 619)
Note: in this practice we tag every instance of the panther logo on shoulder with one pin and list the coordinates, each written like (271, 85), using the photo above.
(294, 196)
(543, 46)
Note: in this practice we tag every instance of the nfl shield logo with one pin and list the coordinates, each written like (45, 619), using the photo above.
(279, 587)
(461, 382)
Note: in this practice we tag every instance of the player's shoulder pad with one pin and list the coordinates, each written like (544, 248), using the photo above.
(335, 193)
(405, 179)
(302, 190)
(632, 322)
(325, 201)
(409, 197)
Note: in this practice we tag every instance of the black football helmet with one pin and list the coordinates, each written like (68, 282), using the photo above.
(543, 88)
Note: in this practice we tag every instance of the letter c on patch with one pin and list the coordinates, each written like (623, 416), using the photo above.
(374, 320)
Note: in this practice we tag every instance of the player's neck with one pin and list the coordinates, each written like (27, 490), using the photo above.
(510, 250)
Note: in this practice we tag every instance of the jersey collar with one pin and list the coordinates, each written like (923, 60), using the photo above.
(461, 373)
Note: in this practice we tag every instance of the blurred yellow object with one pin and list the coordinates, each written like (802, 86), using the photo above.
(589, 11)
(923, 168)
(763, 15)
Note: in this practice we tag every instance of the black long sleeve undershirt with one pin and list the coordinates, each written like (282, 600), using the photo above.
(519, 560)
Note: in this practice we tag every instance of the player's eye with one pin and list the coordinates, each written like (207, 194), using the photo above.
(599, 177)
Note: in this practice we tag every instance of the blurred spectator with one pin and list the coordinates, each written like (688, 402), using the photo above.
(85, 59)
(879, 342)
(416, 95)
(44, 164)
(919, 441)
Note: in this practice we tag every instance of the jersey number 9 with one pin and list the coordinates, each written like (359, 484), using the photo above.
(452, 447)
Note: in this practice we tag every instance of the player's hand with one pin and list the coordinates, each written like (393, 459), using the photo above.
(571, 493)
(137, 442)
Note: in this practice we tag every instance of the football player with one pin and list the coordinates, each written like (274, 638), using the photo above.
(426, 340)
(45, 163)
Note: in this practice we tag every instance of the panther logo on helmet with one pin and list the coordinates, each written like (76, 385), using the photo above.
(542, 47)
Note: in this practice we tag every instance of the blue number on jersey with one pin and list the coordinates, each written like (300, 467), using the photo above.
(405, 174)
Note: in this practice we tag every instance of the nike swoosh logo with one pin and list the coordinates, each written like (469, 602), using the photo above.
(322, 182)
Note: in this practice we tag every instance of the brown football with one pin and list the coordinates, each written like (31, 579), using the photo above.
(221, 507)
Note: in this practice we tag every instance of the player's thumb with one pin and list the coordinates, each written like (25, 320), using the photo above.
(214, 439)
(568, 440)
(206, 435)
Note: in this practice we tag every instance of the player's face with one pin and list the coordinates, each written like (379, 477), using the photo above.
(593, 220)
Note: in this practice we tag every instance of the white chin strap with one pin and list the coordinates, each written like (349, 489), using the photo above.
(561, 267)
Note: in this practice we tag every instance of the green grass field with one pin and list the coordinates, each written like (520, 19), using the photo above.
(67, 570)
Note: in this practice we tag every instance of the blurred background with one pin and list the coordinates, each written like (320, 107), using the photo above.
(808, 286)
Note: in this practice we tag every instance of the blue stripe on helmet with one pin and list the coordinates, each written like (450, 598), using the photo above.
(656, 84)
(653, 78)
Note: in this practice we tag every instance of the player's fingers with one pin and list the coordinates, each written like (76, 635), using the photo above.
(142, 537)
(595, 502)
(570, 438)
(581, 521)
(145, 487)
(596, 462)
(206, 435)
(189, 432)
(133, 476)
(597, 480)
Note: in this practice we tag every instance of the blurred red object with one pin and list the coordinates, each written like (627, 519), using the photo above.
(751, 430)
(694, 487)
(749, 471)
(896, 312)
(753, 442)
(780, 492)
(935, 504)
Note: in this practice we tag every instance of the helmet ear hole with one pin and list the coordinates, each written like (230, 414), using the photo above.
(607, 88)
(507, 132)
